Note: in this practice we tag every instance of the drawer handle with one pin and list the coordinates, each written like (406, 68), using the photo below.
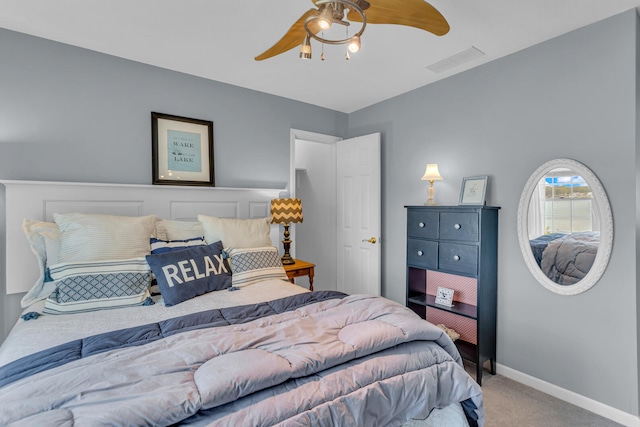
(456, 257)
(420, 253)
(421, 224)
(457, 226)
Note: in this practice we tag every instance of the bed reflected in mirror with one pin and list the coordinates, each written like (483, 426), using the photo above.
(565, 226)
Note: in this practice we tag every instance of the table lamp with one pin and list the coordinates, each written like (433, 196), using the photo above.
(431, 174)
(286, 211)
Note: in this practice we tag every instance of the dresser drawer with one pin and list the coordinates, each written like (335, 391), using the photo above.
(422, 253)
(458, 258)
(459, 226)
(423, 224)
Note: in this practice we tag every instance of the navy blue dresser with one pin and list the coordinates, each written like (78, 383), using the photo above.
(456, 247)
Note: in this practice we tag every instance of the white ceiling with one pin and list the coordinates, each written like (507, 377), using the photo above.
(218, 40)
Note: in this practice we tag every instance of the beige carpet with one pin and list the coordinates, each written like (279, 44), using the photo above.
(511, 404)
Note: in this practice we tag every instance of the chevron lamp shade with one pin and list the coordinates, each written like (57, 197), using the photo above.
(286, 211)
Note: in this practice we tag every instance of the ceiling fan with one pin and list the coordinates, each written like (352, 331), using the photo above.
(312, 24)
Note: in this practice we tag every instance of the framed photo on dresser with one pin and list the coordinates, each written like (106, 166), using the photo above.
(474, 190)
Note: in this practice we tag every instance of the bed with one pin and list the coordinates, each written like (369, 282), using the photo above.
(566, 258)
(219, 338)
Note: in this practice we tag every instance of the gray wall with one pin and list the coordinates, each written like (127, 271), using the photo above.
(70, 114)
(575, 97)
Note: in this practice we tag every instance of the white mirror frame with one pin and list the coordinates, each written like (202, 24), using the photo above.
(602, 209)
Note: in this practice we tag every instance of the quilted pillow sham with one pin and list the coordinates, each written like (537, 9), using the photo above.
(93, 237)
(161, 246)
(90, 286)
(185, 274)
(252, 265)
(237, 233)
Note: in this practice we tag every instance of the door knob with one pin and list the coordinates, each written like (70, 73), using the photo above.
(371, 240)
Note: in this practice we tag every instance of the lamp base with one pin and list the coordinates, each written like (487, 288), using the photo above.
(430, 193)
(286, 243)
(287, 260)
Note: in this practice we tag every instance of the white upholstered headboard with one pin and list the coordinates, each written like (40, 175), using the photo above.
(39, 200)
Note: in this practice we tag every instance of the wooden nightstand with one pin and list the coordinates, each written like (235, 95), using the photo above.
(300, 269)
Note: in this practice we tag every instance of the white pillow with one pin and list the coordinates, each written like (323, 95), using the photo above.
(178, 230)
(237, 233)
(44, 240)
(94, 237)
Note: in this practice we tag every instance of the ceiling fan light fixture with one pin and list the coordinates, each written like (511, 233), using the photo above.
(335, 10)
(410, 13)
(354, 44)
(305, 48)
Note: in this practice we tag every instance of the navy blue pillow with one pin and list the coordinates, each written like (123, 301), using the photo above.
(187, 273)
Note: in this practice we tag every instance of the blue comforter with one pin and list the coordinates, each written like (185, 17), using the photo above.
(317, 358)
(568, 259)
(539, 244)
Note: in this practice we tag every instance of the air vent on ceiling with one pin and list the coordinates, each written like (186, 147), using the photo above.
(455, 60)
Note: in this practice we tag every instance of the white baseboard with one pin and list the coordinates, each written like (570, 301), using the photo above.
(591, 405)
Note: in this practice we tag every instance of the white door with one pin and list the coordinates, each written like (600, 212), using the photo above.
(358, 206)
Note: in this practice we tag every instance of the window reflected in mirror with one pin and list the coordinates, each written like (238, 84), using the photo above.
(561, 203)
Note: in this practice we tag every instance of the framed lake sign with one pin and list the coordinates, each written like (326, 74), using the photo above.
(181, 150)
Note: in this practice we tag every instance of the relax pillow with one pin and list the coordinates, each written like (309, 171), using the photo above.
(161, 246)
(237, 233)
(98, 285)
(185, 274)
(178, 230)
(44, 240)
(251, 265)
(92, 237)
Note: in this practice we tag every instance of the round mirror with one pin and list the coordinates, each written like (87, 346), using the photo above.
(565, 227)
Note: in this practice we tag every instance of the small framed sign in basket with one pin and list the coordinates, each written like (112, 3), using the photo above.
(474, 190)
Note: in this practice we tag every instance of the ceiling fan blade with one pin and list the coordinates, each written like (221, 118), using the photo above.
(294, 37)
(412, 13)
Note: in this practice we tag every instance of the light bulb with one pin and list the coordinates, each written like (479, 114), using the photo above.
(354, 44)
(324, 24)
(326, 17)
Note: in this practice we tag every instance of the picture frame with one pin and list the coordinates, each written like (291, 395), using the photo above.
(181, 150)
(474, 190)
